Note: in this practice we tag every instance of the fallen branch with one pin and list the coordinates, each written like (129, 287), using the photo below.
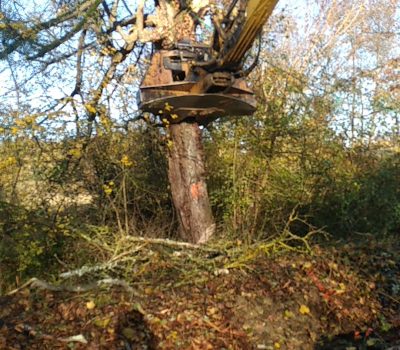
(87, 269)
(171, 243)
(37, 283)
(25, 328)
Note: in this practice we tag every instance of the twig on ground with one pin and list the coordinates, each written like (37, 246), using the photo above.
(37, 283)
(171, 243)
(390, 297)
(25, 328)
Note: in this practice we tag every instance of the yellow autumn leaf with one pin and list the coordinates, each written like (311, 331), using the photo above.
(168, 107)
(288, 314)
(126, 162)
(75, 152)
(10, 161)
(174, 116)
(173, 335)
(212, 311)
(90, 305)
(90, 108)
(334, 266)
(107, 190)
(20, 123)
(342, 288)
(277, 345)
(304, 310)
(106, 122)
(102, 323)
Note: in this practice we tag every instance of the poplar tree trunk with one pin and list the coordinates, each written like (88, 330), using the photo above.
(186, 172)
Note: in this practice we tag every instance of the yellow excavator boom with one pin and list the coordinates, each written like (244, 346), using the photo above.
(257, 13)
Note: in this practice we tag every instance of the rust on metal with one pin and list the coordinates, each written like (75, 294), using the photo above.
(193, 94)
(203, 82)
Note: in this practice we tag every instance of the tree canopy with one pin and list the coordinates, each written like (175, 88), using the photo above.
(88, 50)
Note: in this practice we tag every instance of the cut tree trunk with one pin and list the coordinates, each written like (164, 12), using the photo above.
(186, 172)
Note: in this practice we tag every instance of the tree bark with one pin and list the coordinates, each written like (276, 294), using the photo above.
(186, 172)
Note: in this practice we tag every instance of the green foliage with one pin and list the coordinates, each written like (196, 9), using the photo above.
(28, 242)
(366, 201)
(288, 155)
(125, 173)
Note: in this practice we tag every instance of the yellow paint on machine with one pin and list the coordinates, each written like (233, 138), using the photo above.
(258, 12)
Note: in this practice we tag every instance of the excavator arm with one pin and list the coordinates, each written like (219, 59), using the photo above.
(200, 81)
(256, 14)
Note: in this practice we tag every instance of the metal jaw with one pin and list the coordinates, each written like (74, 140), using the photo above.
(177, 87)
